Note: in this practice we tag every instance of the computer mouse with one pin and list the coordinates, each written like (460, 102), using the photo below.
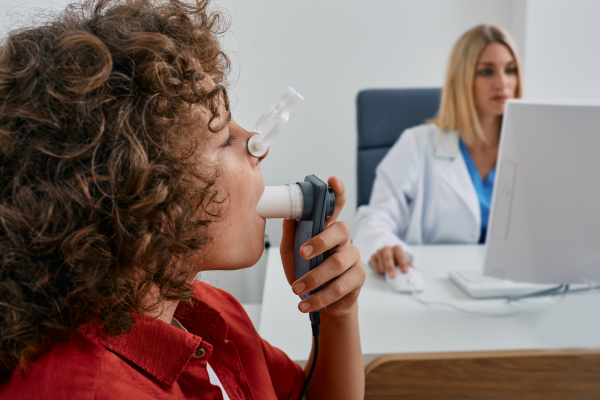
(410, 282)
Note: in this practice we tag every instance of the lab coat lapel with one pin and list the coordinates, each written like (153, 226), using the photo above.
(456, 175)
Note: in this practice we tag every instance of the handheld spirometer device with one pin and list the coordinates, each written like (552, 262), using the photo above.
(309, 202)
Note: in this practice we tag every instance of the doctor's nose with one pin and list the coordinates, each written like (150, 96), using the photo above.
(502, 80)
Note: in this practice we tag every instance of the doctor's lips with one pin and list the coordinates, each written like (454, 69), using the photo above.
(500, 98)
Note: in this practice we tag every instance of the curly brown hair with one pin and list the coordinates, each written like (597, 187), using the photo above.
(101, 194)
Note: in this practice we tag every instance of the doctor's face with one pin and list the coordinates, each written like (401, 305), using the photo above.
(496, 80)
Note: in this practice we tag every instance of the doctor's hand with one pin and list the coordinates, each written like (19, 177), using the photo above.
(342, 272)
(386, 259)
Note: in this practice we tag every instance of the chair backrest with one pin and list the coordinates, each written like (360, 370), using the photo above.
(382, 116)
(529, 374)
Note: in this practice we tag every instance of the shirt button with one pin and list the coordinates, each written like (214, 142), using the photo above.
(199, 353)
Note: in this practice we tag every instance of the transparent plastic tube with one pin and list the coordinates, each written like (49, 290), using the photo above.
(259, 144)
(281, 202)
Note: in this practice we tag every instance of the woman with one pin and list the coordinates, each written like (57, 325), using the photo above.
(123, 176)
(435, 184)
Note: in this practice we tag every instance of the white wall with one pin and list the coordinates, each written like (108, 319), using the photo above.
(329, 51)
(517, 24)
(562, 49)
(26, 12)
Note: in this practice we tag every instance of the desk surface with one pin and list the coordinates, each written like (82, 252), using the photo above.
(395, 323)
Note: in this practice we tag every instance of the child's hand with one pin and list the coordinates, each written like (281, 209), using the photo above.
(341, 272)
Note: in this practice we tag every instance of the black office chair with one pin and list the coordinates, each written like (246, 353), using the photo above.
(382, 116)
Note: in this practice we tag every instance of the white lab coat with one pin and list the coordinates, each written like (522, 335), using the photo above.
(423, 194)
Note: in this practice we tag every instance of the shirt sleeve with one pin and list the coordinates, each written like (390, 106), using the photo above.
(385, 220)
(286, 375)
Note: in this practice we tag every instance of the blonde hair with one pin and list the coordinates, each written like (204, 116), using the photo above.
(457, 109)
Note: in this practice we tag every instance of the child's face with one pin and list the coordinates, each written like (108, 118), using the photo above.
(237, 237)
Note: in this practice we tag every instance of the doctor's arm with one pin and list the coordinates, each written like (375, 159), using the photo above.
(339, 373)
(382, 225)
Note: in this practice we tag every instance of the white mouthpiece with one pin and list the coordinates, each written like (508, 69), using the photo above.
(259, 144)
(281, 202)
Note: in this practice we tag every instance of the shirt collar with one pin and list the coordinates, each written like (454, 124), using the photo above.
(153, 345)
(161, 349)
(201, 319)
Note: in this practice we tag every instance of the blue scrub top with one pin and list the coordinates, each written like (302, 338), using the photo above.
(483, 189)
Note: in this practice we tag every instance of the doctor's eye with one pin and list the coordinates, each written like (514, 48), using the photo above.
(227, 142)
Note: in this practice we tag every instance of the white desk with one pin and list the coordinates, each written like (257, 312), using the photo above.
(394, 323)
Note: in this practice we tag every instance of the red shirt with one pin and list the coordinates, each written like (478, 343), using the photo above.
(159, 361)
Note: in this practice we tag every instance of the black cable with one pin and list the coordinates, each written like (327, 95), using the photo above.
(544, 292)
(315, 319)
(569, 290)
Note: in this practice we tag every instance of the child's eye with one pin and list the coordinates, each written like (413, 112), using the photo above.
(227, 142)
(485, 72)
(511, 71)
